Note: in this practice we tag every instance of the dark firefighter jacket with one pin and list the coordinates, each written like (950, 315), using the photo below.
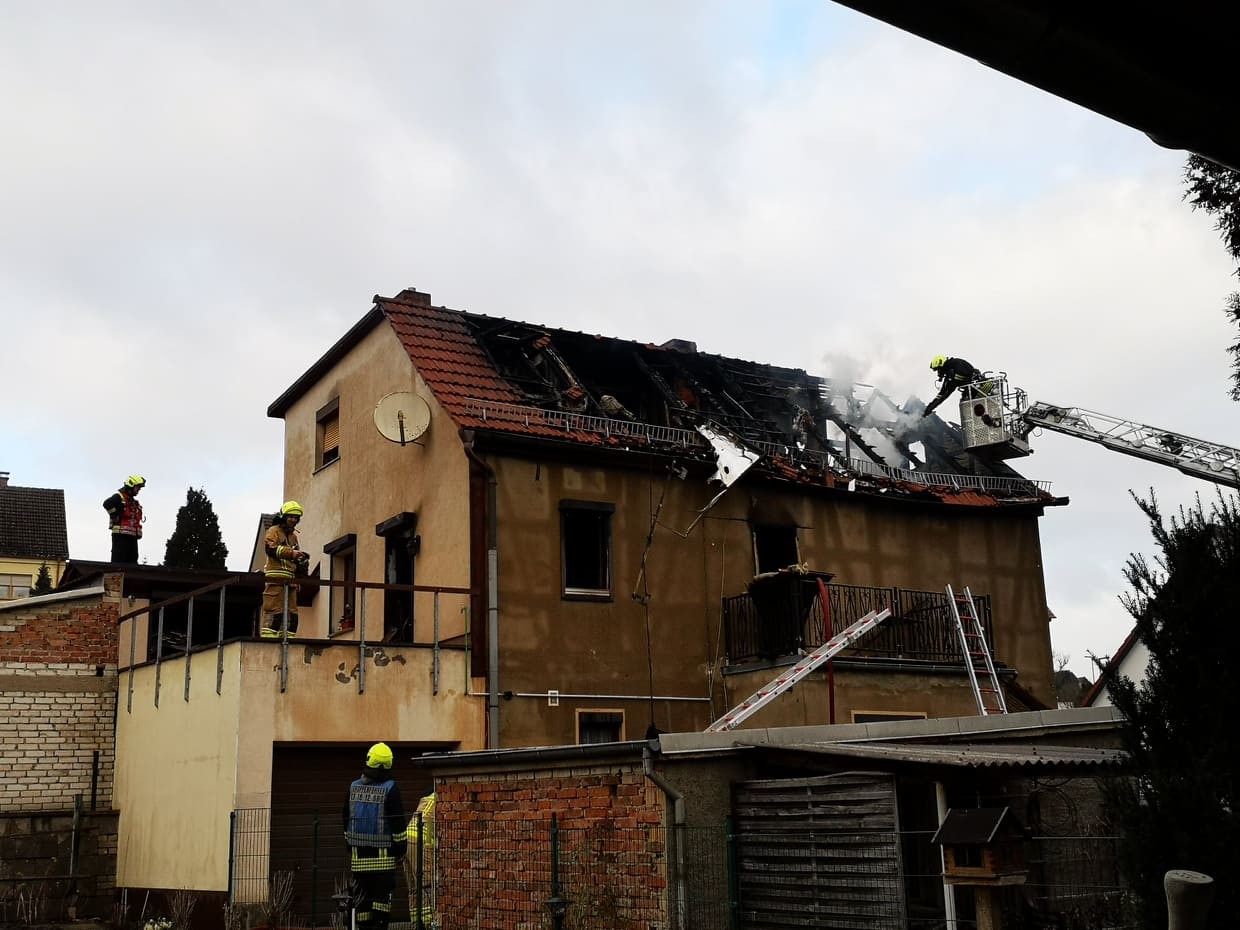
(956, 372)
(375, 826)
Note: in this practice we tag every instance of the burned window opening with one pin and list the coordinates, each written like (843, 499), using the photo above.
(585, 549)
(774, 547)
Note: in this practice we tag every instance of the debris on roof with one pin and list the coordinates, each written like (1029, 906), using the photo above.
(503, 376)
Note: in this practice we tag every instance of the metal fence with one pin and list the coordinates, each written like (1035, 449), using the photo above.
(791, 619)
(521, 873)
(50, 872)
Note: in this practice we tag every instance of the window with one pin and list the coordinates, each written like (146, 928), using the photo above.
(774, 547)
(327, 434)
(600, 726)
(13, 586)
(585, 549)
(342, 554)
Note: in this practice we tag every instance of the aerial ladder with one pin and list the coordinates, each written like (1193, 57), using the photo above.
(997, 420)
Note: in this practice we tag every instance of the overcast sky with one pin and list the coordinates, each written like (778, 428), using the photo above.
(198, 199)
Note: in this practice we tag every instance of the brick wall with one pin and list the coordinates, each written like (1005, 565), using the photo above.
(58, 704)
(493, 835)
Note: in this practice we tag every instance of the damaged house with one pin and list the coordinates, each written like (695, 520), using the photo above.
(628, 517)
(524, 536)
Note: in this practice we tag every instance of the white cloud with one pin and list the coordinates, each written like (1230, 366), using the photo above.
(198, 203)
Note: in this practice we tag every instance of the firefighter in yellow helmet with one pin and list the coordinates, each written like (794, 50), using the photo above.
(953, 373)
(285, 563)
(422, 832)
(125, 520)
(377, 833)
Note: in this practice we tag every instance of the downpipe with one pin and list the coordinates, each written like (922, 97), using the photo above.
(492, 596)
(677, 801)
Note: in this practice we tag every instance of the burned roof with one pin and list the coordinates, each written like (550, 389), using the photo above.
(32, 523)
(519, 380)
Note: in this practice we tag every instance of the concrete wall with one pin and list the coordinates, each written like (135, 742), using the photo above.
(184, 765)
(375, 479)
(600, 646)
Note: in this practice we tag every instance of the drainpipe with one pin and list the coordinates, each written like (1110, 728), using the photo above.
(492, 594)
(678, 827)
(949, 891)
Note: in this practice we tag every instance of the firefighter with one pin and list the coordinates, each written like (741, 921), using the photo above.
(377, 833)
(423, 834)
(125, 520)
(953, 373)
(285, 562)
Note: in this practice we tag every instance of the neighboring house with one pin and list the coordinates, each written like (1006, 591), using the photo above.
(1130, 661)
(32, 534)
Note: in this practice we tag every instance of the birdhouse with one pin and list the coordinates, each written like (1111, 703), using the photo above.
(981, 846)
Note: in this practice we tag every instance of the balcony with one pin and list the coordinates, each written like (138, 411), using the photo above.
(784, 616)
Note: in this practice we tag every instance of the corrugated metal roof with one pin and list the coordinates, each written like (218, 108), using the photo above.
(1028, 755)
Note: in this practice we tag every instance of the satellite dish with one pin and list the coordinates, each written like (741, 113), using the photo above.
(402, 417)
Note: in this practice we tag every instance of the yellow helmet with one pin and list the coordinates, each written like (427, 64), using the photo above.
(135, 481)
(291, 509)
(379, 756)
(938, 362)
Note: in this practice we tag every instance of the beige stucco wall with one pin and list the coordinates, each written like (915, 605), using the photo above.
(600, 647)
(374, 479)
(183, 766)
(175, 767)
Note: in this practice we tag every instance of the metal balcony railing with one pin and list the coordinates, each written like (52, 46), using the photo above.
(172, 633)
(783, 622)
(501, 415)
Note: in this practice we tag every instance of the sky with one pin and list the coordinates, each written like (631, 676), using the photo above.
(198, 199)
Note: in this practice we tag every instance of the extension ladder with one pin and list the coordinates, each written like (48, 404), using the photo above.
(977, 660)
(782, 683)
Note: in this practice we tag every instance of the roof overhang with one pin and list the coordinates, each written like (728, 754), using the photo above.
(280, 406)
(1166, 69)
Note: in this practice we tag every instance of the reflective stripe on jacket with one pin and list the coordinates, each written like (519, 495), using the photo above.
(126, 514)
(280, 544)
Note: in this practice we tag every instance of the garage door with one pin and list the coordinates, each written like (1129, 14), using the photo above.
(309, 785)
(819, 852)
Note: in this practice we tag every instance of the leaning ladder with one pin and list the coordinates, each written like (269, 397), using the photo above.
(977, 660)
(782, 683)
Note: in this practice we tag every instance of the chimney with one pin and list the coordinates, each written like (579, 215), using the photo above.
(411, 295)
(4, 479)
(680, 345)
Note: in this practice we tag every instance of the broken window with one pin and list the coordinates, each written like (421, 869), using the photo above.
(774, 547)
(600, 726)
(342, 554)
(585, 548)
(327, 434)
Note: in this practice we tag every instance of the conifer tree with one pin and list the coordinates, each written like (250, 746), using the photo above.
(1181, 808)
(196, 542)
(1216, 189)
(42, 583)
